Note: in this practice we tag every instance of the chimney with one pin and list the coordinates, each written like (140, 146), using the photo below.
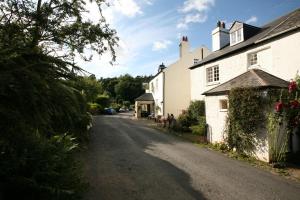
(184, 46)
(161, 67)
(220, 36)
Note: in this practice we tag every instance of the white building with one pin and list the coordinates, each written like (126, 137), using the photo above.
(152, 101)
(177, 93)
(273, 49)
(170, 87)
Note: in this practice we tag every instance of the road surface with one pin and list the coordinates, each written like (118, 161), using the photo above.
(127, 160)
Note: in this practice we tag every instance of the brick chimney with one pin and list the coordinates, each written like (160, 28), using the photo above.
(184, 46)
(220, 36)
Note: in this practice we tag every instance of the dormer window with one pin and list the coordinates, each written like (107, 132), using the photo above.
(236, 37)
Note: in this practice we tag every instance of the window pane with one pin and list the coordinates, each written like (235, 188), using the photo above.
(223, 104)
(209, 74)
(239, 35)
(233, 39)
(216, 73)
(253, 59)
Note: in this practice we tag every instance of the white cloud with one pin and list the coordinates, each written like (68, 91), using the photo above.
(149, 2)
(196, 12)
(128, 8)
(197, 5)
(159, 45)
(251, 20)
(191, 18)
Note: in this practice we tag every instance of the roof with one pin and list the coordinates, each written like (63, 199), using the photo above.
(275, 28)
(145, 97)
(255, 78)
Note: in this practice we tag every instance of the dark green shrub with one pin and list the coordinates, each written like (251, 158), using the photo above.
(200, 128)
(183, 123)
(103, 100)
(116, 106)
(196, 110)
(95, 108)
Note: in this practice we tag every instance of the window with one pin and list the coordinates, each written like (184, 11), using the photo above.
(236, 37)
(212, 74)
(223, 104)
(252, 59)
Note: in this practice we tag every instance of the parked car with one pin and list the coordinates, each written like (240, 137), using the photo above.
(110, 111)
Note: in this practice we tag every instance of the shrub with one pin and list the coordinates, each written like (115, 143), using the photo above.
(103, 100)
(196, 110)
(95, 108)
(183, 123)
(199, 129)
(116, 106)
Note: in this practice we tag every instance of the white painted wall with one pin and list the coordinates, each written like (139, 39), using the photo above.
(280, 58)
(156, 88)
(215, 118)
(178, 82)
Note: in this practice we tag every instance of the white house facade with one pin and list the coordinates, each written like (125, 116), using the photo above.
(156, 88)
(177, 93)
(273, 48)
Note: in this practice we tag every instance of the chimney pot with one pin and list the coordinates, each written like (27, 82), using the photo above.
(223, 24)
(218, 24)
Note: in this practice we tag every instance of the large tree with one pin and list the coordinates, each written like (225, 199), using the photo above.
(40, 112)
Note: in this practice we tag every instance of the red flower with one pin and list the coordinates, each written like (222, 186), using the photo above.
(292, 86)
(294, 104)
(278, 106)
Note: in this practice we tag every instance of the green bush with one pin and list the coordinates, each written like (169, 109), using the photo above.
(196, 110)
(103, 100)
(116, 106)
(183, 123)
(199, 129)
(95, 108)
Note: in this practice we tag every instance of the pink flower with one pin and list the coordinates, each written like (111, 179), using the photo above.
(294, 104)
(292, 86)
(278, 106)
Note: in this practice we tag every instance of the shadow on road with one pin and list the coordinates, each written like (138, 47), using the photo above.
(119, 166)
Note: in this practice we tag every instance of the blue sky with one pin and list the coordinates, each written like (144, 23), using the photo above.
(150, 30)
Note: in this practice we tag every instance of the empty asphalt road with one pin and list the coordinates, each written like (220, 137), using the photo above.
(127, 160)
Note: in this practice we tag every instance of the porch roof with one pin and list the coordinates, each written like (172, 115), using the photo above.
(145, 97)
(255, 78)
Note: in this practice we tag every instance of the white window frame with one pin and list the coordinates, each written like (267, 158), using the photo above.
(213, 74)
(236, 37)
(250, 59)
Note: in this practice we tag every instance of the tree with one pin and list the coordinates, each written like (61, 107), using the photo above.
(89, 86)
(128, 89)
(38, 42)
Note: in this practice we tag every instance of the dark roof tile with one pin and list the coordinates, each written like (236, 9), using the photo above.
(253, 78)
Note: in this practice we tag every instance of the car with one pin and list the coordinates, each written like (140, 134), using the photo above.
(110, 111)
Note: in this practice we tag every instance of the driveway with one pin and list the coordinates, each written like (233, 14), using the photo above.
(127, 160)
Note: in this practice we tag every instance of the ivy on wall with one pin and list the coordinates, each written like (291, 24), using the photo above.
(245, 116)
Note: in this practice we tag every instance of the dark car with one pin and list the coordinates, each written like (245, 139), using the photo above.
(110, 111)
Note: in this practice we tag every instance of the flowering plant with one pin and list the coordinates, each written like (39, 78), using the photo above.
(289, 107)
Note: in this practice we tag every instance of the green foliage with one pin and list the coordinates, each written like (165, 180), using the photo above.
(277, 137)
(196, 110)
(126, 104)
(43, 110)
(95, 108)
(89, 86)
(183, 123)
(245, 116)
(200, 128)
(127, 89)
(103, 100)
(116, 106)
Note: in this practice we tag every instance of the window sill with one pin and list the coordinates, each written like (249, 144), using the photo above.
(213, 83)
(223, 110)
